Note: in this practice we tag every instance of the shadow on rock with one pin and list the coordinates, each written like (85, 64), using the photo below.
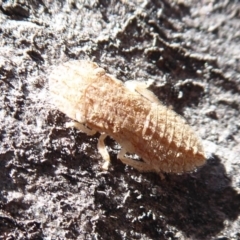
(198, 204)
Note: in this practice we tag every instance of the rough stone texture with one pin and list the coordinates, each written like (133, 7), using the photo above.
(51, 183)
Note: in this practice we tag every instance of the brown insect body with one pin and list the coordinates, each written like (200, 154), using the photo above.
(159, 136)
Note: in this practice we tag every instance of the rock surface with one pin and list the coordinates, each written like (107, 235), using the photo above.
(51, 182)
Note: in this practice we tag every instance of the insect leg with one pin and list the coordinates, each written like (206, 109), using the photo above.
(103, 151)
(141, 88)
(81, 128)
(140, 166)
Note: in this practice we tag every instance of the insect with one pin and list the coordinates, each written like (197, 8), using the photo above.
(130, 114)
